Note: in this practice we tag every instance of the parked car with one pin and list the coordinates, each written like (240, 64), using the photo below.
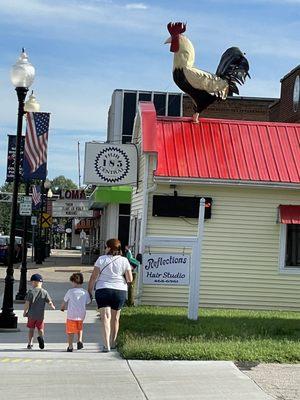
(4, 246)
(4, 242)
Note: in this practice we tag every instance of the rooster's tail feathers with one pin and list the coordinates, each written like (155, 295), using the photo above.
(234, 68)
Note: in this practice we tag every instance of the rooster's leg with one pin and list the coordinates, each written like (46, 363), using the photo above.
(196, 118)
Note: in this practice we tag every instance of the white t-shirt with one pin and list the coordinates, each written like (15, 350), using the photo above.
(112, 276)
(77, 299)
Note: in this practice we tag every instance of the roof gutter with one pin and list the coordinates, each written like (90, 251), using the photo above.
(226, 182)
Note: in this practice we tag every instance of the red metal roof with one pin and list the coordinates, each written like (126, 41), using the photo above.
(223, 149)
(289, 214)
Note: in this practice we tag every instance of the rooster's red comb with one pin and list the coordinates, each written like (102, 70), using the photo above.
(175, 28)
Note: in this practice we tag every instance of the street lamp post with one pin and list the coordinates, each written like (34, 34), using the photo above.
(48, 236)
(39, 246)
(31, 105)
(22, 76)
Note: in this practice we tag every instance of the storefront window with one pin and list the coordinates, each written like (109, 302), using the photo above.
(124, 221)
(292, 246)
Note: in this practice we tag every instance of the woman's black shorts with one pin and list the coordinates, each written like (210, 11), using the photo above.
(113, 298)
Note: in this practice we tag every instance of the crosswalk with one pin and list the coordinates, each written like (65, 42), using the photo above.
(23, 360)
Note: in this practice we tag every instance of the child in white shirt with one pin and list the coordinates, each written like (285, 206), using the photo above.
(76, 298)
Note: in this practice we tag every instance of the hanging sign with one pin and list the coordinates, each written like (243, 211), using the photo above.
(11, 156)
(25, 206)
(166, 269)
(109, 164)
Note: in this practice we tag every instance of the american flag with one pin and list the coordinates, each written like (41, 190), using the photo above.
(36, 195)
(36, 140)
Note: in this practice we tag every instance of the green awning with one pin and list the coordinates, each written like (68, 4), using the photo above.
(110, 195)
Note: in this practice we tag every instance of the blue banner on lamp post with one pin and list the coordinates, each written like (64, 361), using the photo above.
(11, 156)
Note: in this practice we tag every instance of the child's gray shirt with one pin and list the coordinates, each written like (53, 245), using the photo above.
(37, 298)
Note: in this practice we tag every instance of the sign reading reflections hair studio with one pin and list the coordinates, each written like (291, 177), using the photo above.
(166, 269)
(110, 164)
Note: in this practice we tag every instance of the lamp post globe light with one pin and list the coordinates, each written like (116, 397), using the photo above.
(22, 76)
(31, 105)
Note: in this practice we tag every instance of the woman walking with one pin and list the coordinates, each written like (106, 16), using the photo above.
(110, 276)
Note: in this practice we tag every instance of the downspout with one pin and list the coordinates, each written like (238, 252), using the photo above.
(146, 191)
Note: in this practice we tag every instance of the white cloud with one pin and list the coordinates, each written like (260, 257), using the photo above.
(136, 6)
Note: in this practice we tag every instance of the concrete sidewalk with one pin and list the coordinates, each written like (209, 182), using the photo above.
(54, 374)
(89, 373)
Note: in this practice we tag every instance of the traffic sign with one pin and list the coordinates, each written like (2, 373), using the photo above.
(33, 221)
(25, 206)
(46, 220)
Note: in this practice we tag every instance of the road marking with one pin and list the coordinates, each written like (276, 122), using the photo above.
(4, 360)
(16, 360)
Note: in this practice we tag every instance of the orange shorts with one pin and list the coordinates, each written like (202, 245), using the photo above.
(73, 326)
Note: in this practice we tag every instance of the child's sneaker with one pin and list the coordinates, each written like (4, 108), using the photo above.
(69, 350)
(79, 345)
(41, 341)
(29, 346)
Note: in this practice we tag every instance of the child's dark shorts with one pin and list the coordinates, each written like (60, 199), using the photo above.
(113, 298)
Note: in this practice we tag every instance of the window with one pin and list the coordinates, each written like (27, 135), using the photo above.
(159, 101)
(144, 96)
(124, 221)
(292, 254)
(129, 110)
(174, 105)
(290, 247)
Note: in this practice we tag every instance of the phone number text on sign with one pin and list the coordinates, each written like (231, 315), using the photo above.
(166, 269)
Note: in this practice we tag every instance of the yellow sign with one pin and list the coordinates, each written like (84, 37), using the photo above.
(46, 220)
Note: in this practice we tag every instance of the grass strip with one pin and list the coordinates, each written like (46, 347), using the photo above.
(165, 333)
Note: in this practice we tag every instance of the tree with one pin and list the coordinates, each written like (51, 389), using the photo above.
(5, 208)
(61, 182)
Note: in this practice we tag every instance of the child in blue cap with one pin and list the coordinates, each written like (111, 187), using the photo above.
(34, 309)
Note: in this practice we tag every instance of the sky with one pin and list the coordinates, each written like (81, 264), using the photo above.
(84, 49)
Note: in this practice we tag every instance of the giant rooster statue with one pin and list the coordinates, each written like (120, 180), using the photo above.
(203, 87)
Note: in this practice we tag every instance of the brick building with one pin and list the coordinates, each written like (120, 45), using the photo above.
(235, 107)
(287, 108)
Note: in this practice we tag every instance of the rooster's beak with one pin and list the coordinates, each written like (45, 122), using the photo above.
(169, 40)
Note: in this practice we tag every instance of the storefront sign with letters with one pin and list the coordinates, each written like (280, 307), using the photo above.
(166, 269)
(75, 208)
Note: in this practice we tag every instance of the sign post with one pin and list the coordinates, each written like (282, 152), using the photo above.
(196, 266)
(194, 243)
(33, 224)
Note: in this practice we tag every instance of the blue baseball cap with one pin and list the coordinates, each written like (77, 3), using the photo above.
(36, 278)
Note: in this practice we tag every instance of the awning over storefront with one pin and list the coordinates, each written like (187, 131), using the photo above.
(110, 195)
(289, 214)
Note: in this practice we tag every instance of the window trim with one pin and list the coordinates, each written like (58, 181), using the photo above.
(282, 253)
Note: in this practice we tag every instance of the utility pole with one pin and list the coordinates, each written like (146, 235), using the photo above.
(79, 175)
